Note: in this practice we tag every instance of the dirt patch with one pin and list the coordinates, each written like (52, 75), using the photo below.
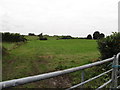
(18, 44)
(20, 67)
(42, 61)
(60, 82)
(95, 59)
(46, 57)
(56, 82)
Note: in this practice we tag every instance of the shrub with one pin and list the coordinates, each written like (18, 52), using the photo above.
(66, 37)
(83, 38)
(31, 34)
(43, 38)
(109, 46)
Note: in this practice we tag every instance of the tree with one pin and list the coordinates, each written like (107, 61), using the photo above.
(89, 36)
(96, 35)
(101, 35)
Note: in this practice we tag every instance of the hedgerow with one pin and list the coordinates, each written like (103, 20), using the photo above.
(109, 46)
(13, 37)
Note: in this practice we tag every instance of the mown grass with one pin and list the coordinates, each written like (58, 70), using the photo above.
(37, 57)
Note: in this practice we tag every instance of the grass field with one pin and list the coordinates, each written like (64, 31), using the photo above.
(36, 57)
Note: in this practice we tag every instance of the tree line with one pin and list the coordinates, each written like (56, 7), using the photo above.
(16, 37)
(96, 35)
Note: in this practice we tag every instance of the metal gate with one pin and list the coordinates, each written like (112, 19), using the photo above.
(115, 74)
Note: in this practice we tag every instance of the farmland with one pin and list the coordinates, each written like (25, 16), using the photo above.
(36, 57)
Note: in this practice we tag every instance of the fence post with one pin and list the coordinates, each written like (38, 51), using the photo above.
(82, 78)
(114, 73)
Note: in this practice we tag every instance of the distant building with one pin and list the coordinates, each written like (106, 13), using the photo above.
(119, 16)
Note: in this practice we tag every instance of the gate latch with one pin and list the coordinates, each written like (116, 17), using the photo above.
(116, 66)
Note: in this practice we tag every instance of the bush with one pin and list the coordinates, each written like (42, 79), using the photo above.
(31, 34)
(109, 46)
(43, 38)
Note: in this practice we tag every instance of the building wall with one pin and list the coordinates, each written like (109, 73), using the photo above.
(119, 16)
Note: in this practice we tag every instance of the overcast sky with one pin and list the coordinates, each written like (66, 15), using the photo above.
(59, 17)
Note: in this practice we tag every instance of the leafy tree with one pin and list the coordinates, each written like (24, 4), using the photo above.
(89, 36)
(101, 35)
(96, 35)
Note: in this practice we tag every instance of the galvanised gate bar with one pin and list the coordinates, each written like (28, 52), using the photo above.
(115, 74)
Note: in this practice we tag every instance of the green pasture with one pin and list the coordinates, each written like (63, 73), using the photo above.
(36, 57)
